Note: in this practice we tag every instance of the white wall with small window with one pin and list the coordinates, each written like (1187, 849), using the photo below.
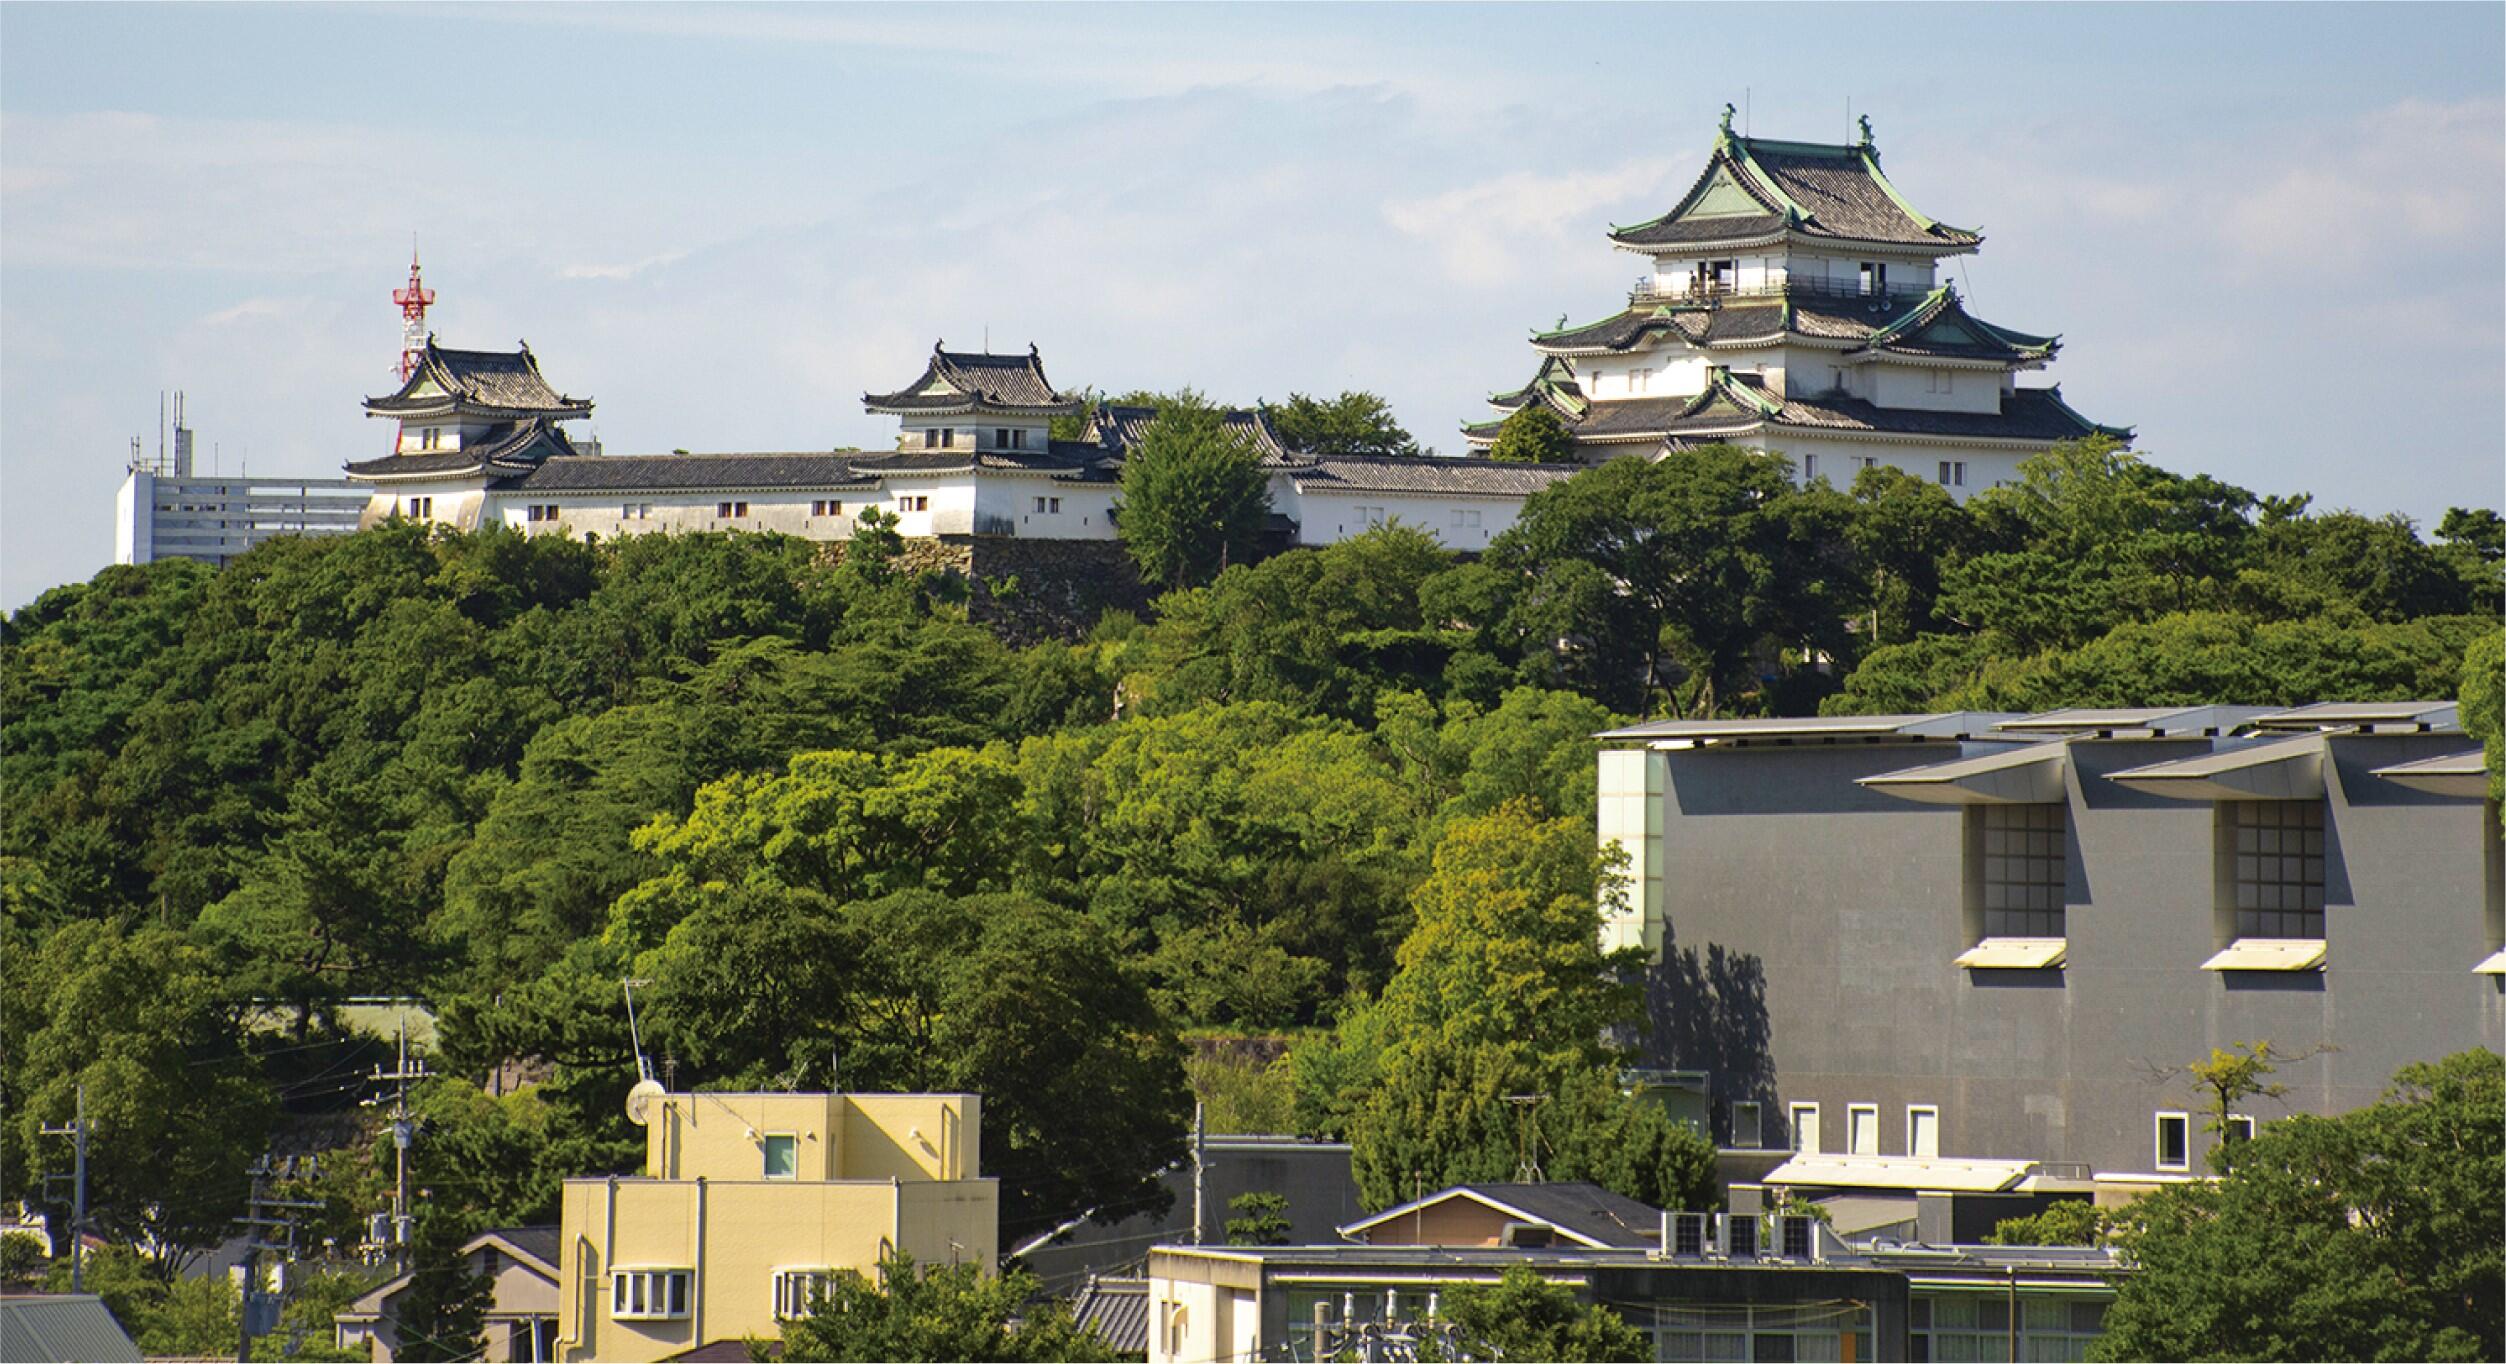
(2174, 1141)
(647, 1294)
(797, 1291)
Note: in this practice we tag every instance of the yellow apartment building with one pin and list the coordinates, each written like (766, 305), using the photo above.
(750, 1202)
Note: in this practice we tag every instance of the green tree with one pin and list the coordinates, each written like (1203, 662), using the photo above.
(2066, 1222)
(1488, 1047)
(1355, 423)
(1533, 435)
(1261, 1219)
(2481, 701)
(1194, 497)
(442, 1315)
(2372, 1235)
(1525, 1316)
(938, 1312)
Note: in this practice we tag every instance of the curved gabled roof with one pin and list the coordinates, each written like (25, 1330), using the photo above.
(1753, 189)
(506, 451)
(1940, 325)
(965, 381)
(489, 384)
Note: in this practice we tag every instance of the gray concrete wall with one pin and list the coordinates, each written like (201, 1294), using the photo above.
(1809, 929)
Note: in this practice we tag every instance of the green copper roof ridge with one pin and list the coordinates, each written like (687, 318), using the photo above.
(1870, 162)
(1539, 335)
(1793, 211)
(1839, 150)
(2054, 395)
(1719, 379)
(1922, 312)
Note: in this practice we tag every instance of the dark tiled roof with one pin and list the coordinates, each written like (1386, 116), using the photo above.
(1815, 189)
(1940, 325)
(669, 473)
(1118, 1310)
(474, 382)
(1061, 459)
(961, 380)
(541, 1243)
(511, 449)
(1430, 474)
(1119, 429)
(1686, 231)
(1634, 417)
(1588, 1210)
(2027, 414)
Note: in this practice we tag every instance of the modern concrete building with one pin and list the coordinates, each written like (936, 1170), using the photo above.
(749, 1205)
(1734, 1287)
(1973, 952)
(168, 510)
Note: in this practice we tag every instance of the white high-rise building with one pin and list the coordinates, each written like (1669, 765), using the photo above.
(1795, 301)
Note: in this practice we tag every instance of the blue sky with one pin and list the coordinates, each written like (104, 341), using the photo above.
(2271, 236)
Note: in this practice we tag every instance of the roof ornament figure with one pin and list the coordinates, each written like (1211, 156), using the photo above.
(939, 345)
(1728, 111)
(1032, 353)
(1865, 121)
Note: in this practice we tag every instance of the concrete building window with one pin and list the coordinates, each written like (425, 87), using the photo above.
(1805, 1128)
(1748, 1125)
(1684, 1330)
(648, 1294)
(783, 1155)
(2240, 1127)
(2175, 1141)
(797, 1291)
(2018, 867)
(1862, 1129)
(1977, 1326)
(2278, 871)
(1923, 1130)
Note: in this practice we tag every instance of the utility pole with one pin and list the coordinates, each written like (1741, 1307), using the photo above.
(76, 1131)
(403, 1129)
(256, 1314)
(1199, 1166)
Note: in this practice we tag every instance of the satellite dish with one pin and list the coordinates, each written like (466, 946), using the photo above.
(639, 1100)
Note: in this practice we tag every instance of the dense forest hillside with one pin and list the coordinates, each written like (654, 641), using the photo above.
(832, 823)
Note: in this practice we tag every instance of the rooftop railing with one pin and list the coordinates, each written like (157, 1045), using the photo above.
(1653, 289)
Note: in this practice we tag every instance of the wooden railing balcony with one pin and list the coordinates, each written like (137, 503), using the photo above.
(1653, 289)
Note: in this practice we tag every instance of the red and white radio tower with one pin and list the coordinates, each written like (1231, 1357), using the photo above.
(413, 299)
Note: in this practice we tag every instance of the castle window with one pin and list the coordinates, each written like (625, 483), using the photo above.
(1466, 518)
(825, 507)
(919, 502)
(1000, 438)
(421, 507)
(931, 438)
(1018, 438)
(1809, 468)
(540, 511)
(1874, 277)
(730, 510)
(430, 438)
(1953, 473)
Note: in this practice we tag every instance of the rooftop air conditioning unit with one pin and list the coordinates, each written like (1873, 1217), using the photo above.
(1691, 1235)
(1740, 1235)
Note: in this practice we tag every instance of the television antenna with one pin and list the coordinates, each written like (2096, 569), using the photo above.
(647, 1090)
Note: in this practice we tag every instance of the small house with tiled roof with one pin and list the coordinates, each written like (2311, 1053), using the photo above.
(480, 444)
(1795, 302)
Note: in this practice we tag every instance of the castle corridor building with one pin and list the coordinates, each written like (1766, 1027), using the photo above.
(481, 441)
(1796, 302)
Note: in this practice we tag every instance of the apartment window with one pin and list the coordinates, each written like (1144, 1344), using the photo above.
(915, 503)
(2240, 1127)
(1923, 1130)
(2175, 1141)
(1466, 518)
(1748, 1127)
(1874, 277)
(540, 511)
(1977, 1326)
(648, 1294)
(783, 1155)
(1862, 1129)
(2279, 867)
(1953, 473)
(1805, 1128)
(931, 438)
(2019, 869)
(797, 1291)
(826, 507)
